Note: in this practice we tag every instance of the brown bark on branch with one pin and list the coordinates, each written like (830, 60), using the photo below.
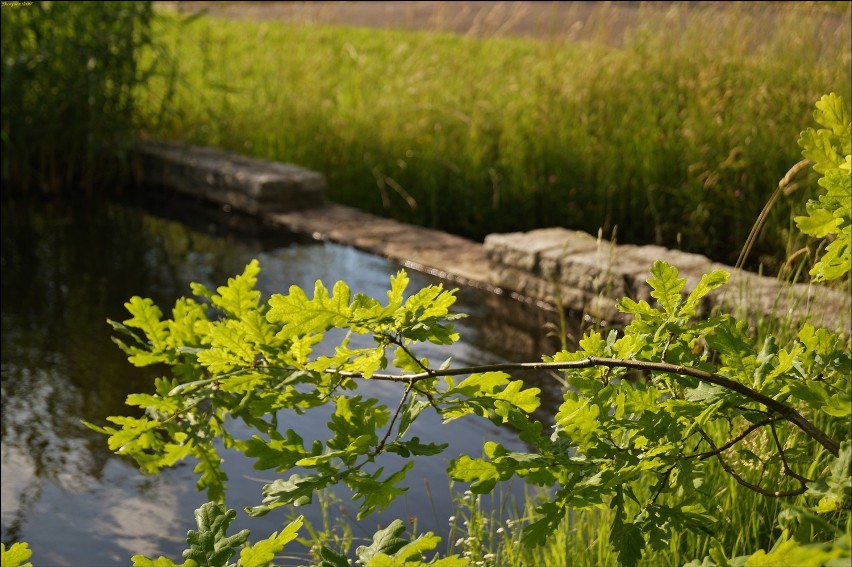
(787, 412)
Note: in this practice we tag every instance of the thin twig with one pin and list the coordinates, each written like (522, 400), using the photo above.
(707, 454)
(663, 483)
(755, 487)
(381, 446)
(396, 340)
(787, 470)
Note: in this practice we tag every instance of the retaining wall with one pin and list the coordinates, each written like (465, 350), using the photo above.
(549, 266)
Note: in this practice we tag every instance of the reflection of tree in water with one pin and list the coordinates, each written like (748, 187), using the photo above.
(67, 268)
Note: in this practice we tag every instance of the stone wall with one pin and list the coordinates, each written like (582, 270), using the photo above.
(591, 274)
(549, 265)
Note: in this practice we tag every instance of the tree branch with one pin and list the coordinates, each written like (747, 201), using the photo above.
(381, 446)
(787, 412)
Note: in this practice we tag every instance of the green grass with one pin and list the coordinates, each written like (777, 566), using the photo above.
(745, 523)
(487, 529)
(675, 138)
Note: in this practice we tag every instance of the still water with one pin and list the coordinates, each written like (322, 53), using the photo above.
(67, 268)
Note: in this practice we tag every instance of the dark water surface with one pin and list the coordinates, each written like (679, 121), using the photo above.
(66, 269)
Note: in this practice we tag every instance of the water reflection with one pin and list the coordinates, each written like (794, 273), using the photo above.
(67, 267)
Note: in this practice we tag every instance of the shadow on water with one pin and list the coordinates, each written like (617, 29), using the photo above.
(68, 267)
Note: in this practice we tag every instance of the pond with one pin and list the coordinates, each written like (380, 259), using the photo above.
(67, 268)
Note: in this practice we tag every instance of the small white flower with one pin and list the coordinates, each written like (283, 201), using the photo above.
(459, 542)
(452, 519)
(500, 530)
(489, 556)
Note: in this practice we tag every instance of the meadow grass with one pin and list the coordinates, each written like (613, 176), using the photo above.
(676, 136)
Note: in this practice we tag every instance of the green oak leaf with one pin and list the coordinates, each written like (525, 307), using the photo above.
(385, 541)
(209, 546)
(263, 552)
(666, 286)
(303, 316)
(16, 555)
(239, 297)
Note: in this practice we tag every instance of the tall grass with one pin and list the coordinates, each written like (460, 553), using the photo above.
(677, 135)
(490, 535)
(68, 91)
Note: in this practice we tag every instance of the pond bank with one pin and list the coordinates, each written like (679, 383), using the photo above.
(547, 266)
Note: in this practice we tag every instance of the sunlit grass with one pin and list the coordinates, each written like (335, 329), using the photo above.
(677, 138)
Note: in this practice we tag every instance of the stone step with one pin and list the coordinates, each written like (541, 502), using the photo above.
(247, 184)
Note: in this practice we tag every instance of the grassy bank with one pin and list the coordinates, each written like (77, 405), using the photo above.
(678, 137)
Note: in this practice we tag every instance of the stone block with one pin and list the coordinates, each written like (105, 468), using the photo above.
(524, 250)
(251, 185)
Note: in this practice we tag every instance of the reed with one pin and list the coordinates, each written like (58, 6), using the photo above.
(70, 70)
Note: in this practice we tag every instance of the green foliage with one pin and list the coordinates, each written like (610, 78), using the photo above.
(252, 360)
(70, 74)
(16, 555)
(639, 445)
(388, 549)
(831, 216)
(211, 547)
(786, 551)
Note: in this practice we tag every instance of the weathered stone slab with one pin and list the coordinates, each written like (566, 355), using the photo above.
(439, 253)
(576, 242)
(525, 250)
(248, 184)
(590, 275)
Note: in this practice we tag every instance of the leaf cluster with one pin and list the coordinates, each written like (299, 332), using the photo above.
(828, 149)
(235, 357)
(647, 411)
(210, 546)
